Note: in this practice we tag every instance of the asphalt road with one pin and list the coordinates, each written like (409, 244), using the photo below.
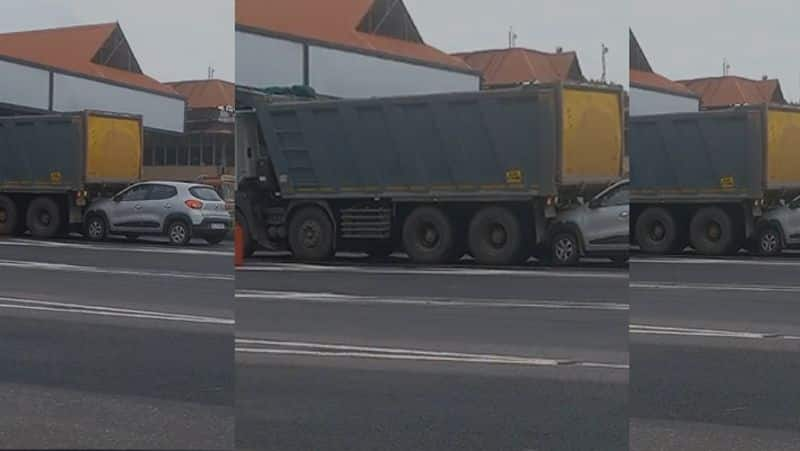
(359, 356)
(715, 354)
(115, 345)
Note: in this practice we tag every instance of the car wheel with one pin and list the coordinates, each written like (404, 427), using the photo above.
(8, 216)
(712, 232)
(95, 228)
(496, 238)
(44, 218)
(311, 234)
(565, 249)
(215, 239)
(429, 236)
(179, 233)
(769, 241)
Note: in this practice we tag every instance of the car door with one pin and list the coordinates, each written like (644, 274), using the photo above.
(606, 226)
(125, 213)
(159, 204)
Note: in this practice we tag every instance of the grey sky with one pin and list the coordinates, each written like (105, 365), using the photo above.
(172, 39)
(580, 25)
(690, 38)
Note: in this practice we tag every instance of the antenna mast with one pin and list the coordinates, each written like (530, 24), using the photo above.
(605, 52)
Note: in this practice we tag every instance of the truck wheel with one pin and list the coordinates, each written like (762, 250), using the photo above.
(712, 232)
(656, 232)
(248, 244)
(179, 233)
(8, 216)
(44, 218)
(496, 238)
(565, 249)
(428, 236)
(95, 228)
(311, 234)
(769, 242)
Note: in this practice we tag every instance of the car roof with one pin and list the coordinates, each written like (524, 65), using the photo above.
(176, 184)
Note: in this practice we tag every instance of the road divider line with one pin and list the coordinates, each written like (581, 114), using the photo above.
(713, 261)
(715, 287)
(49, 306)
(334, 298)
(711, 333)
(433, 271)
(275, 347)
(43, 266)
(106, 247)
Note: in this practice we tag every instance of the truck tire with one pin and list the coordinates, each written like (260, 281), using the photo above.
(565, 249)
(768, 241)
(44, 218)
(311, 234)
(712, 232)
(496, 237)
(9, 219)
(657, 232)
(249, 245)
(96, 228)
(429, 236)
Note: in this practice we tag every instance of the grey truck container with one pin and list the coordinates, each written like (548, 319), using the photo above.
(453, 145)
(65, 152)
(698, 157)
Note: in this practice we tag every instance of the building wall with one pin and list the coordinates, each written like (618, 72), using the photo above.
(75, 94)
(24, 86)
(185, 157)
(339, 73)
(644, 102)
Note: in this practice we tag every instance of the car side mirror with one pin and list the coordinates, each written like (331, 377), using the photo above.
(116, 199)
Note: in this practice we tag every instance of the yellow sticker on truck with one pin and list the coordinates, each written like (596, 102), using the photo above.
(727, 183)
(514, 176)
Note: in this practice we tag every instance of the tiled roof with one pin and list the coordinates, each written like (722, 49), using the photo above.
(72, 49)
(334, 22)
(654, 81)
(720, 92)
(518, 65)
(206, 93)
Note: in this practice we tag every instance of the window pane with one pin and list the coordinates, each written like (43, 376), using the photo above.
(183, 155)
(148, 156)
(160, 156)
(208, 156)
(172, 155)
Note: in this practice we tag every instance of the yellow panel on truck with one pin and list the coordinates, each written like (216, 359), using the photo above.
(592, 135)
(113, 148)
(783, 148)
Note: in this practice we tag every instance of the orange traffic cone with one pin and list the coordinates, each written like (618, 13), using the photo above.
(238, 246)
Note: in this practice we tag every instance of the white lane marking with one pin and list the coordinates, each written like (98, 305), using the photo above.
(43, 266)
(712, 261)
(465, 271)
(334, 298)
(254, 346)
(80, 309)
(714, 287)
(711, 333)
(106, 247)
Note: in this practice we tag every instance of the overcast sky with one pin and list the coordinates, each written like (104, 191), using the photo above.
(172, 39)
(690, 38)
(580, 25)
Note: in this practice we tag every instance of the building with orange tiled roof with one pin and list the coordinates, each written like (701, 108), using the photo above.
(728, 91)
(652, 93)
(515, 66)
(206, 149)
(342, 48)
(82, 67)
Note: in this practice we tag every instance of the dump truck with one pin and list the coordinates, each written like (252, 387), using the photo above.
(52, 166)
(706, 179)
(435, 176)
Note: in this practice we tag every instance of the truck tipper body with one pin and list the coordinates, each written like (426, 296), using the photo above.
(705, 179)
(436, 176)
(52, 166)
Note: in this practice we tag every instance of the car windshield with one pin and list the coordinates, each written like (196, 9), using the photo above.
(205, 193)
